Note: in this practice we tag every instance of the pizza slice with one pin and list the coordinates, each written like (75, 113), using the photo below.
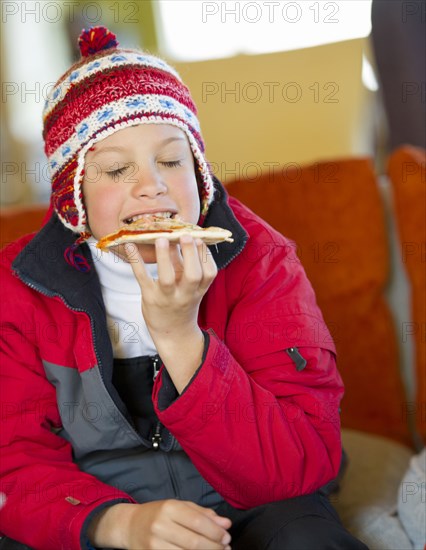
(148, 228)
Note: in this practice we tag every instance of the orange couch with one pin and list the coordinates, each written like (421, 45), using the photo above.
(16, 221)
(335, 214)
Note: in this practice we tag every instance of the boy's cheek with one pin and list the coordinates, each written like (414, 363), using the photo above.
(103, 209)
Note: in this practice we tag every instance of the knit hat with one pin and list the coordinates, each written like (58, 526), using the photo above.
(109, 89)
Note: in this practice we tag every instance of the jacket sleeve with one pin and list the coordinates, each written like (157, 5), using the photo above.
(258, 425)
(48, 498)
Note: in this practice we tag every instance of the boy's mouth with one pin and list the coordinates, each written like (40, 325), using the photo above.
(162, 214)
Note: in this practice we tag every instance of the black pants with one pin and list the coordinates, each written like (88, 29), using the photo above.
(303, 523)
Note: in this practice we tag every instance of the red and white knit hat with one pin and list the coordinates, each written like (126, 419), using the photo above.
(107, 90)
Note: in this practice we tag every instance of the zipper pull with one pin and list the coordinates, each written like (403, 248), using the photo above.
(156, 438)
(299, 361)
(156, 369)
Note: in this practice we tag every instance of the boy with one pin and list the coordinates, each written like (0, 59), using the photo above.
(163, 396)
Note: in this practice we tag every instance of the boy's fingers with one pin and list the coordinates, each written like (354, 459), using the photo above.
(187, 540)
(207, 511)
(137, 263)
(160, 543)
(207, 262)
(222, 521)
(177, 260)
(204, 521)
(206, 527)
(193, 271)
(166, 270)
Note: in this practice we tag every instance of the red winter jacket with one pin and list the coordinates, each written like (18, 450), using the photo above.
(259, 420)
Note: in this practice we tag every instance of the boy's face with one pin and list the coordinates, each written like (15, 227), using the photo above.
(141, 169)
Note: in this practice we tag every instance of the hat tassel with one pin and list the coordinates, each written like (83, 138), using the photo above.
(78, 261)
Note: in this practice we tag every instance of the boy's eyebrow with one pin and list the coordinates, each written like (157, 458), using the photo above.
(119, 148)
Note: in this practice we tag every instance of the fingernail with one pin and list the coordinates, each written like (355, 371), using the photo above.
(226, 538)
(162, 242)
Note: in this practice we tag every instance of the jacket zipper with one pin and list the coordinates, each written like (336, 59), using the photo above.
(155, 359)
(297, 358)
(172, 475)
(42, 291)
(156, 439)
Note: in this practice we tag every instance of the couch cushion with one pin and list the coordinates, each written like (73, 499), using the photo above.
(333, 211)
(407, 171)
(368, 496)
(17, 221)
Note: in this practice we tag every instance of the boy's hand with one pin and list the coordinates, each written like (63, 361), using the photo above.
(160, 525)
(170, 304)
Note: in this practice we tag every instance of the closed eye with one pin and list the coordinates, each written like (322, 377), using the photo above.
(117, 172)
(172, 163)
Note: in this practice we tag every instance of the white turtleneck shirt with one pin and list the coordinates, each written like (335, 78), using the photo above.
(122, 297)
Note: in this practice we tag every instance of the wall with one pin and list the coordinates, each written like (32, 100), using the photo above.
(314, 107)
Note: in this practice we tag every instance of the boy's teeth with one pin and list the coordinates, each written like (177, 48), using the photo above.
(158, 214)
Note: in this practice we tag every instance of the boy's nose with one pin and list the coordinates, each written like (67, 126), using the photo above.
(147, 183)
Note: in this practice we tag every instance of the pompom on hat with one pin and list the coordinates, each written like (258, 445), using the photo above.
(109, 89)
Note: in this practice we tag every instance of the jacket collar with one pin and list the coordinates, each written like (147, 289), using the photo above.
(221, 215)
(41, 263)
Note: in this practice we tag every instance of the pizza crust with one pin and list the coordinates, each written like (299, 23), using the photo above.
(209, 235)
